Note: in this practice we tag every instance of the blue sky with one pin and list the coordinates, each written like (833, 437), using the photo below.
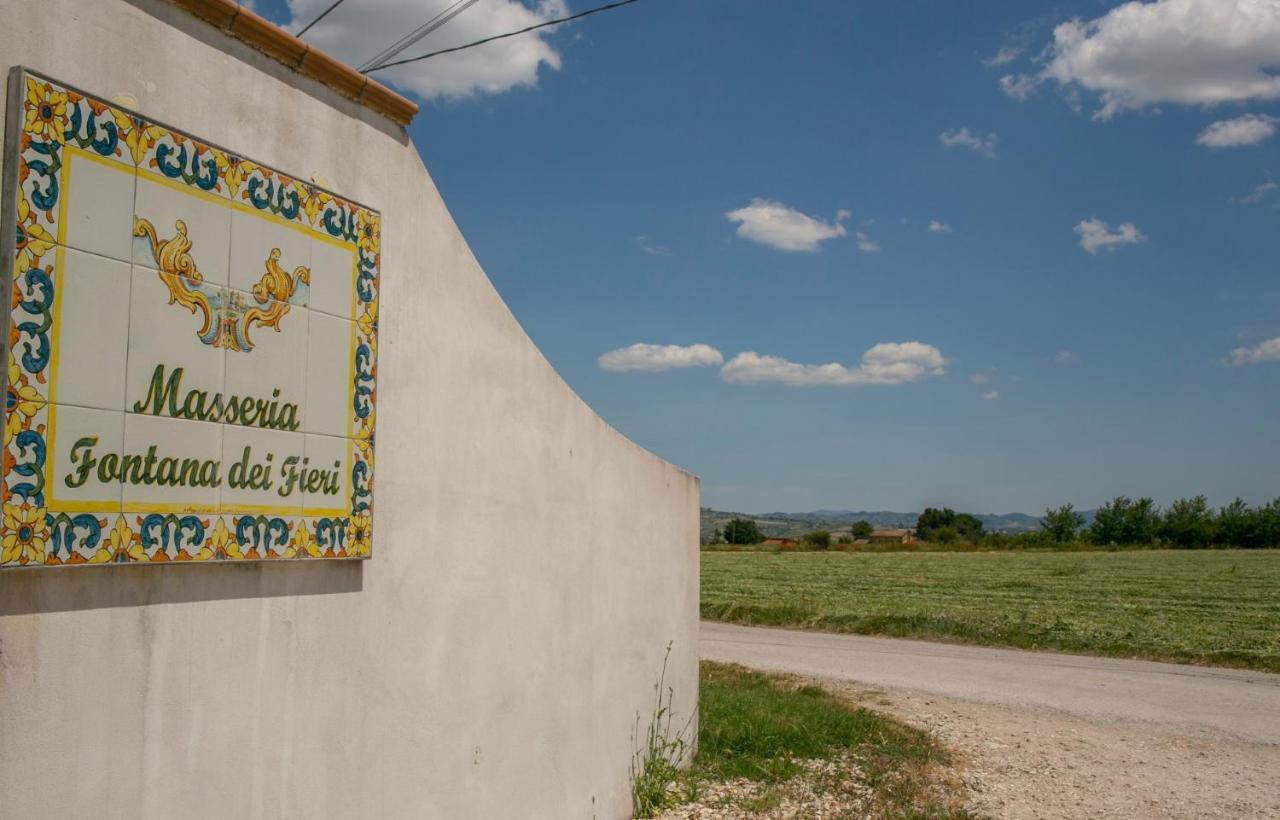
(1092, 314)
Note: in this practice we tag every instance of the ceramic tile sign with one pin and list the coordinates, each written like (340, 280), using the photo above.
(191, 347)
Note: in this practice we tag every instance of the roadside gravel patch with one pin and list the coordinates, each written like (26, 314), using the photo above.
(827, 789)
(1040, 763)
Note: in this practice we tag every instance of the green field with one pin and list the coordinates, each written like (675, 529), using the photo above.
(1219, 607)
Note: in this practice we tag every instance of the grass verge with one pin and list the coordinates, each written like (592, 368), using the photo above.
(775, 746)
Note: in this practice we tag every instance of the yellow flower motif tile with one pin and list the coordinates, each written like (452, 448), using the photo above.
(24, 401)
(120, 546)
(33, 240)
(45, 111)
(25, 534)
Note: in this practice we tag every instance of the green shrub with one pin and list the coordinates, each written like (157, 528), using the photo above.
(742, 531)
(1188, 523)
(1062, 524)
(817, 540)
(963, 526)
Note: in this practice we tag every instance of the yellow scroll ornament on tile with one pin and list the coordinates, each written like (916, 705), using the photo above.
(227, 316)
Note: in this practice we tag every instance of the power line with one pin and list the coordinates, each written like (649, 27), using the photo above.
(323, 15)
(416, 35)
(526, 30)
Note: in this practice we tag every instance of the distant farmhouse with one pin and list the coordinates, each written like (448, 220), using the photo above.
(894, 536)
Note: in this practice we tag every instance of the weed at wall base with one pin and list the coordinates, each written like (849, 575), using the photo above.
(655, 765)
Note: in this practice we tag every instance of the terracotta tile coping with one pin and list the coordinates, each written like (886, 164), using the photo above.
(270, 39)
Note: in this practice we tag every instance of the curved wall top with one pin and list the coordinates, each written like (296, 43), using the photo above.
(529, 568)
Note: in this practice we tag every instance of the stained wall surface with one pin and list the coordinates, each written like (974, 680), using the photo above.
(529, 567)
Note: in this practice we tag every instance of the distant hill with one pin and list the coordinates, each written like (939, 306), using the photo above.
(789, 525)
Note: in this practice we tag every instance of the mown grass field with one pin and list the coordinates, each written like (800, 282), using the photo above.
(1218, 607)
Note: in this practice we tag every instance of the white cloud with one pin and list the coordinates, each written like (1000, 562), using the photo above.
(980, 378)
(992, 395)
(1249, 129)
(650, 247)
(938, 227)
(1268, 351)
(659, 357)
(1007, 54)
(1020, 86)
(1096, 235)
(986, 146)
(886, 363)
(866, 244)
(1195, 52)
(782, 227)
(1259, 192)
(356, 32)
(1064, 356)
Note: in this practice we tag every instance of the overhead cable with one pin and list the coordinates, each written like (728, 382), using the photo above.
(323, 15)
(525, 30)
(416, 35)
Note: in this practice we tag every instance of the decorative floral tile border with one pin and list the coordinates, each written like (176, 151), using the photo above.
(47, 122)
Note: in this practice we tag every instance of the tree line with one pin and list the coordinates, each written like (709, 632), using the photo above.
(1188, 523)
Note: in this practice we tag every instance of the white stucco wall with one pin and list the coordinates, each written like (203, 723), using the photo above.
(529, 565)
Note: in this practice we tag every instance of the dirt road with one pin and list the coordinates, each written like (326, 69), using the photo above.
(1056, 736)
